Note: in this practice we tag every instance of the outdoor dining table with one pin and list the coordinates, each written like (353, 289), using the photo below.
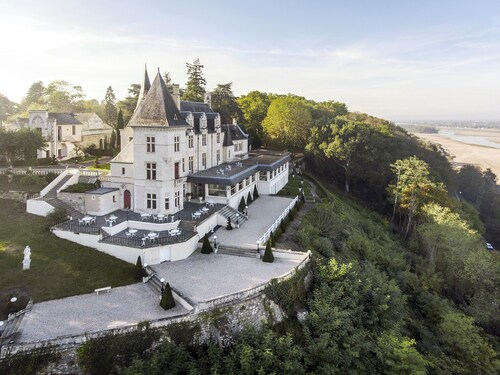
(174, 232)
(145, 216)
(87, 220)
(211, 203)
(197, 214)
(161, 217)
(132, 232)
(152, 236)
(205, 209)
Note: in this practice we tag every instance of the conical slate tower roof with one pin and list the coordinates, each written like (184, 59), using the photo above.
(157, 108)
(146, 85)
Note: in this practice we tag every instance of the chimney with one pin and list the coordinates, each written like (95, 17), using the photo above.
(176, 95)
(208, 99)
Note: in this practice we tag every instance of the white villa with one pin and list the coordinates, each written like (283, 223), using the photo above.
(180, 171)
(66, 133)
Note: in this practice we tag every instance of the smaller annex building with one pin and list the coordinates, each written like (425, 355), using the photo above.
(67, 133)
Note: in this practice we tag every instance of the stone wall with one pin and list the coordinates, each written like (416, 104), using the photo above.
(221, 325)
(20, 196)
(74, 200)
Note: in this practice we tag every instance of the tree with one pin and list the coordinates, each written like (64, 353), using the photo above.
(254, 106)
(62, 96)
(255, 193)
(168, 81)
(167, 299)
(224, 102)
(20, 144)
(29, 141)
(206, 248)
(140, 272)
(349, 144)
(130, 102)
(7, 108)
(242, 205)
(287, 123)
(33, 96)
(120, 124)
(268, 253)
(470, 182)
(110, 106)
(195, 86)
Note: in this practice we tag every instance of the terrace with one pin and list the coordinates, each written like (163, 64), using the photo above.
(140, 230)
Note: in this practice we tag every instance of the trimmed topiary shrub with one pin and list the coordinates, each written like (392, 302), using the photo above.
(249, 199)
(255, 193)
(167, 299)
(206, 248)
(140, 272)
(283, 226)
(229, 226)
(268, 254)
(242, 205)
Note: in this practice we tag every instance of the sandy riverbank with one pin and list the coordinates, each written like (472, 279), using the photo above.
(485, 157)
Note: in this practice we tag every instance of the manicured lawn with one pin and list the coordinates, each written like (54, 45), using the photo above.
(59, 268)
(292, 187)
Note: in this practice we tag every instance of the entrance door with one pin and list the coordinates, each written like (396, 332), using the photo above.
(126, 199)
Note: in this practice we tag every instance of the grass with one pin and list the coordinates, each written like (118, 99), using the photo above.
(292, 187)
(106, 166)
(15, 185)
(59, 268)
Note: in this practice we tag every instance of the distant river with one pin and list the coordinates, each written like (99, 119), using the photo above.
(469, 139)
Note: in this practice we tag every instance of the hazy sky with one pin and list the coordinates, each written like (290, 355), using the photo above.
(399, 59)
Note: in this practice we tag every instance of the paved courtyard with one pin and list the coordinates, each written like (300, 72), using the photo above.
(120, 307)
(261, 215)
(202, 277)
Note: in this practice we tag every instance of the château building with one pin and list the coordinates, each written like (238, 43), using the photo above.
(175, 151)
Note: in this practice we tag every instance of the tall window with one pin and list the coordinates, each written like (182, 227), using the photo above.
(73, 130)
(190, 141)
(151, 201)
(150, 144)
(177, 143)
(218, 137)
(204, 140)
(204, 160)
(151, 171)
(191, 164)
(218, 156)
(167, 203)
(183, 166)
(177, 198)
(176, 170)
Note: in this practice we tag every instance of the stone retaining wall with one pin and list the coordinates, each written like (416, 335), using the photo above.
(20, 196)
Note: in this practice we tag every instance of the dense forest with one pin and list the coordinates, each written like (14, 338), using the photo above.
(403, 283)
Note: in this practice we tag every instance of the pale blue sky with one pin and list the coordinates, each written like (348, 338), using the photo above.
(395, 59)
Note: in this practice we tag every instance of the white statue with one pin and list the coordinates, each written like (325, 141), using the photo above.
(27, 253)
(27, 258)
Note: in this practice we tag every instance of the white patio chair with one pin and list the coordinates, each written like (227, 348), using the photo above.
(81, 222)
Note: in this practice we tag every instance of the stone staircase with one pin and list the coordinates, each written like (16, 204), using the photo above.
(51, 198)
(10, 332)
(52, 193)
(228, 211)
(237, 251)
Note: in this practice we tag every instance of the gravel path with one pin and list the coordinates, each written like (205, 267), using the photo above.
(202, 277)
(87, 313)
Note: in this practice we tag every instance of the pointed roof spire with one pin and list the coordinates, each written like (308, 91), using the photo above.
(228, 139)
(145, 86)
(158, 107)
